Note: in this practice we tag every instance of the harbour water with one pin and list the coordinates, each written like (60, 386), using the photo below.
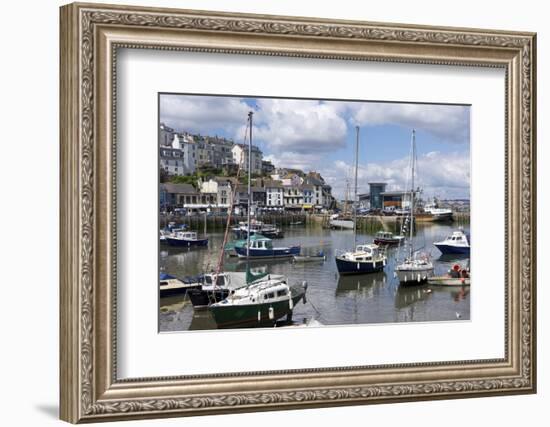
(331, 299)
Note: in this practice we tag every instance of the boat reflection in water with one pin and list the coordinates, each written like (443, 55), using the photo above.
(361, 285)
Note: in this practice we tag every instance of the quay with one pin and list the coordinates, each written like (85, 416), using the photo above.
(218, 222)
(368, 223)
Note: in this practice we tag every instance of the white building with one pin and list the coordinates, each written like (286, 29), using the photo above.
(172, 161)
(221, 187)
(274, 194)
(166, 135)
(240, 154)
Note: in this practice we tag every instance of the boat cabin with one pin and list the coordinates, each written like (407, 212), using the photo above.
(221, 281)
(365, 252)
(186, 235)
(384, 235)
(457, 238)
(261, 244)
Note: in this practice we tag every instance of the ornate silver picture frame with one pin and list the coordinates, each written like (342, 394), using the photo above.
(91, 34)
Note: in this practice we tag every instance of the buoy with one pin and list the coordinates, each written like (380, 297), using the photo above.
(271, 313)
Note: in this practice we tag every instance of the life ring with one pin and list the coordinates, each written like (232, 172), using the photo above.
(456, 268)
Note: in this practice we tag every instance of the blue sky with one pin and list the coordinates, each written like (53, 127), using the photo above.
(320, 135)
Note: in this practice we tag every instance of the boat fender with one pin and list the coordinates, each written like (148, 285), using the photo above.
(290, 303)
(384, 262)
(271, 313)
(259, 315)
(357, 266)
(418, 277)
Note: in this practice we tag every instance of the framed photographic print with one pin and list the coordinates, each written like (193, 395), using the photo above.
(266, 212)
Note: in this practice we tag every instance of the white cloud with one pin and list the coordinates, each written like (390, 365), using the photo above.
(446, 175)
(202, 114)
(304, 161)
(299, 126)
(449, 123)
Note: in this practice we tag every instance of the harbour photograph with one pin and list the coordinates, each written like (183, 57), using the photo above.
(295, 213)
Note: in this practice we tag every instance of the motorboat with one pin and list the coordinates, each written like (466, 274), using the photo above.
(216, 287)
(456, 243)
(185, 239)
(170, 285)
(366, 258)
(261, 303)
(388, 238)
(263, 249)
(257, 227)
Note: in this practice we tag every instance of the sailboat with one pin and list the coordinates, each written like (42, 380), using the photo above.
(263, 301)
(366, 258)
(416, 268)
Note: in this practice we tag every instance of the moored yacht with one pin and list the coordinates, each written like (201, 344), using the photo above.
(415, 268)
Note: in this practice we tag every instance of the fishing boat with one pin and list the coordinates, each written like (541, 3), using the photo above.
(365, 258)
(319, 257)
(388, 238)
(170, 285)
(416, 267)
(262, 248)
(258, 304)
(456, 243)
(456, 276)
(438, 214)
(185, 239)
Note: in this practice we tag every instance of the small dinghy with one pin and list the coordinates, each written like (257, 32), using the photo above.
(457, 276)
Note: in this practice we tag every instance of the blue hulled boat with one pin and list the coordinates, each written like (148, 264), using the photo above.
(185, 239)
(457, 243)
(365, 259)
(263, 249)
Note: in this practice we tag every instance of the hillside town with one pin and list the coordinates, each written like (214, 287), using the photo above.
(198, 174)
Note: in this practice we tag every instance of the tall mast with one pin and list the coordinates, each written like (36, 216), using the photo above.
(250, 114)
(354, 207)
(413, 158)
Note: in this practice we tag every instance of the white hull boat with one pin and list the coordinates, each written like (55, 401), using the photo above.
(414, 271)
